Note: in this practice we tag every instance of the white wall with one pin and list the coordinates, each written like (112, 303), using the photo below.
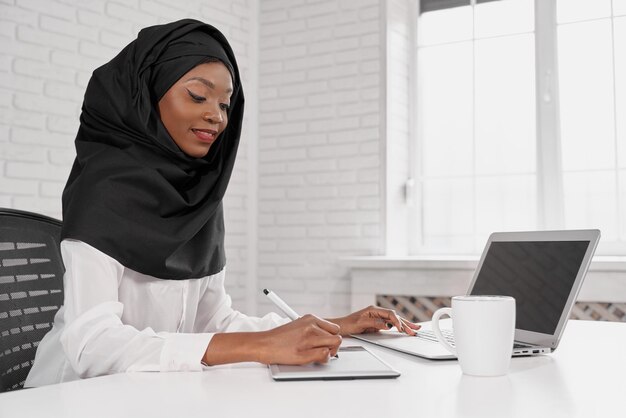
(310, 185)
(320, 114)
(48, 50)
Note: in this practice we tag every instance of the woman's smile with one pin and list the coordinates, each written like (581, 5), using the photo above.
(205, 135)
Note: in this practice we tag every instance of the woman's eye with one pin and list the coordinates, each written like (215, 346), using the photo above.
(225, 107)
(195, 97)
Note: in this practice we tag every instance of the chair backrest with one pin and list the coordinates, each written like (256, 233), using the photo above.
(31, 289)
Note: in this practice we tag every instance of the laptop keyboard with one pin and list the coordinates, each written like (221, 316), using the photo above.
(449, 336)
(430, 335)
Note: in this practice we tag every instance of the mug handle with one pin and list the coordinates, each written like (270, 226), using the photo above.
(435, 323)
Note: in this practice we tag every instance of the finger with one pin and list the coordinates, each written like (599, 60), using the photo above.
(411, 325)
(327, 325)
(390, 316)
(377, 324)
(332, 342)
(408, 329)
(316, 355)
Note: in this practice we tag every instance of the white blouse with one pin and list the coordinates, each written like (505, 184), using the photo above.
(118, 320)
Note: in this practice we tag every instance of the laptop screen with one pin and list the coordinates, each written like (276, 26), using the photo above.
(538, 274)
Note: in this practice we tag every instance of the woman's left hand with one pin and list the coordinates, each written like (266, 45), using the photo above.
(373, 319)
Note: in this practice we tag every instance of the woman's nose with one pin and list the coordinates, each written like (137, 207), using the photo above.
(212, 116)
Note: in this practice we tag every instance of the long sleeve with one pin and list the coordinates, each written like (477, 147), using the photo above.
(96, 341)
(117, 320)
(215, 313)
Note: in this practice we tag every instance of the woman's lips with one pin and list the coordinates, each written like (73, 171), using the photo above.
(205, 135)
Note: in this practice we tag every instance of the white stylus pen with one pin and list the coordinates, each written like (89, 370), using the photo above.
(281, 305)
(293, 315)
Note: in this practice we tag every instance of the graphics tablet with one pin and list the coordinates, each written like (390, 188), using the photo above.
(354, 362)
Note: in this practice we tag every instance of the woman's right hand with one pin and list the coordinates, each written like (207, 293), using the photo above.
(307, 339)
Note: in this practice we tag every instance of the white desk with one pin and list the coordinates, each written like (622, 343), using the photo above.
(584, 377)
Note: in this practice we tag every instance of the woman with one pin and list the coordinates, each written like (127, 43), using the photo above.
(143, 230)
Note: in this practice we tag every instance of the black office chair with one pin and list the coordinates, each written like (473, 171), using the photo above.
(31, 289)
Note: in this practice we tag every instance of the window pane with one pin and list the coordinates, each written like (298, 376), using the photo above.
(452, 244)
(448, 210)
(505, 105)
(432, 5)
(445, 106)
(586, 88)
(622, 205)
(478, 129)
(590, 202)
(576, 10)
(619, 7)
(504, 17)
(506, 203)
(619, 26)
(446, 25)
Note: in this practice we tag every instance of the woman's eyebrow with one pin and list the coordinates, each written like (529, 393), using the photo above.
(208, 83)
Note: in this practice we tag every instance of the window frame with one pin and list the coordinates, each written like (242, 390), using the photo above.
(550, 195)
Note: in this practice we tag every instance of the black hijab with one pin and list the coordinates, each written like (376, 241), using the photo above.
(132, 193)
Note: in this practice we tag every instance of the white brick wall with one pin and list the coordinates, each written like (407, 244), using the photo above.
(48, 49)
(311, 165)
(320, 159)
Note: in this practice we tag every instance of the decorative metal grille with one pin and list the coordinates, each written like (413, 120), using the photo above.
(419, 309)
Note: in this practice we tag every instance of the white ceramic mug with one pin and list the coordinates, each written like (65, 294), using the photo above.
(484, 329)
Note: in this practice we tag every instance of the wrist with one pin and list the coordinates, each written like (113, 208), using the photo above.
(261, 347)
(234, 347)
(339, 322)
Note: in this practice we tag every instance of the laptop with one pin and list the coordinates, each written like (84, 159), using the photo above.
(542, 270)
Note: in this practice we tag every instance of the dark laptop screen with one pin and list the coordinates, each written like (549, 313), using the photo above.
(538, 274)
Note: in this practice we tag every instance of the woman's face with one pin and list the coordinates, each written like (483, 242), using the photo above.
(195, 109)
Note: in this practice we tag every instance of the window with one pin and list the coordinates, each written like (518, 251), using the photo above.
(521, 121)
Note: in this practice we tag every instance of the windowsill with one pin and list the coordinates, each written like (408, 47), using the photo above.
(458, 262)
(451, 275)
